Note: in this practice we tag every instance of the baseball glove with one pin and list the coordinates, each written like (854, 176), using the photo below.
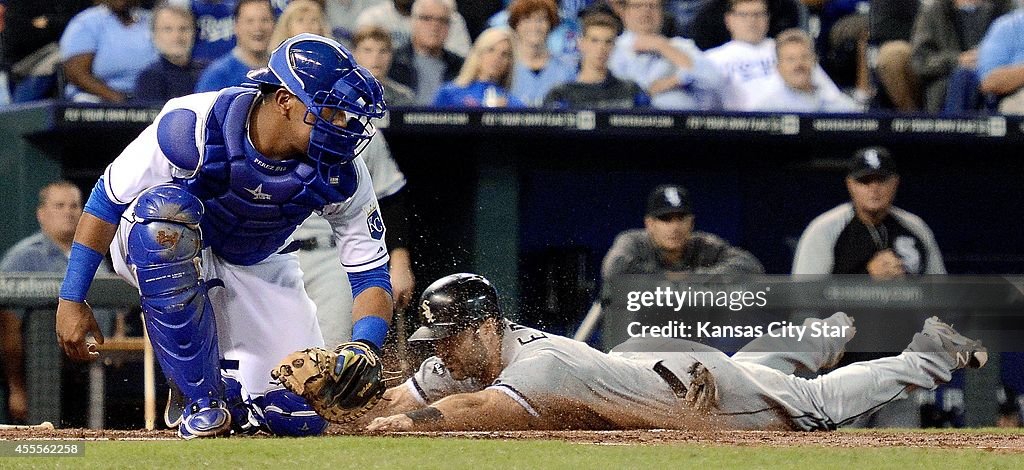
(341, 385)
(702, 395)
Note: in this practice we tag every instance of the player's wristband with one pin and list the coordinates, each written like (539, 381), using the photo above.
(81, 269)
(370, 329)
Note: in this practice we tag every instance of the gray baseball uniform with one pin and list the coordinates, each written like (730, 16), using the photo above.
(325, 281)
(567, 384)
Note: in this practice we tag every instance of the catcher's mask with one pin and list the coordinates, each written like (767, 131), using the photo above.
(454, 303)
(321, 73)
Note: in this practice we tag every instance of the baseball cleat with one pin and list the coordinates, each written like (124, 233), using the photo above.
(205, 417)
(175, 407)
(965, 352)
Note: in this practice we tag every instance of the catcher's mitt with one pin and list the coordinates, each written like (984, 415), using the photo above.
(341, 385)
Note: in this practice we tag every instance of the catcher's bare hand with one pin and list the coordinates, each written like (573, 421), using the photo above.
(391, 423)
(75, 322)
(341, 385)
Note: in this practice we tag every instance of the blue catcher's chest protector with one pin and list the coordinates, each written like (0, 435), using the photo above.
(253, 204)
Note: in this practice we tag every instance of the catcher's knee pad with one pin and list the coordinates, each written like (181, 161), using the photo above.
(287, 414)
(163, 247)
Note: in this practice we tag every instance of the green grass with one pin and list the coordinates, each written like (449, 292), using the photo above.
(444, 453)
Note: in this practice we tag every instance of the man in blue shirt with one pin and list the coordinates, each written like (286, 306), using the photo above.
(103, 50)
(175, 73)
(46, 251)
(254, 23)
(1001, 56)
(672, 70)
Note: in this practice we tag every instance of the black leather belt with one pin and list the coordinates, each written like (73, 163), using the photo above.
(677, 385)
(310, 244)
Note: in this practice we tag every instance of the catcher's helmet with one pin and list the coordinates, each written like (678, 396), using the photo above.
(323, 75)
(454, 303)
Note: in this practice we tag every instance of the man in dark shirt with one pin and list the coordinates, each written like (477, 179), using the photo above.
(424, 64)
(668, 243)
(595, 87)
(868, 235)
(175, 73)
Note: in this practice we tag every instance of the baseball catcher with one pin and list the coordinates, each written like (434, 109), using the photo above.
(198, 212)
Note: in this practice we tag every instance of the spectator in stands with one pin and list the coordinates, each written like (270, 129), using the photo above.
(673, 71)
(215, 28)
(424, 63)
(175, 73)
(708, 29)
(868, 235)
(300, 16)
(1001, 62)
(486, 77)
(749, 58)
(30, 35)
(254, 23)
(47, 251)
(614, 8)
(536, 70)
(842, 43)
(103, 50)
(668, 243)
(397, 17)
(794, 88)
(891, 23)
(945, 50)
(372, 49)
(562, 32)
(342, 16)
(595, 87)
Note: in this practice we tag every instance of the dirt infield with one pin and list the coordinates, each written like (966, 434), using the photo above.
(998, 441)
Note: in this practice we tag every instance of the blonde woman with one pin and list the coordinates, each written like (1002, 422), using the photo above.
(486, 76)
(300, 16)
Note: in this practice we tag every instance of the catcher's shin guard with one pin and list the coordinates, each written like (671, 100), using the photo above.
(283, 413)
(163, 247)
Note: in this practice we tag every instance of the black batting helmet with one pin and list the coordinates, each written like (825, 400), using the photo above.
(453, 303)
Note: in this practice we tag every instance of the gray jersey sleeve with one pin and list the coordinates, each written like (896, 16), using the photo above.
(815, 252)
(629, 254)
(387, 178)
(432, 382)
(530, 380)
(716, 256)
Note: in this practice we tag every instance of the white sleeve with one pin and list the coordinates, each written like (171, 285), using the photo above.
(815, 250)
(358, 226)
(823, 81)
(458, 36)
(139, 166)
(142, 164)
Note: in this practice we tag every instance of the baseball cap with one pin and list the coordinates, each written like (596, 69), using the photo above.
(871, 161)
(668, 199)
